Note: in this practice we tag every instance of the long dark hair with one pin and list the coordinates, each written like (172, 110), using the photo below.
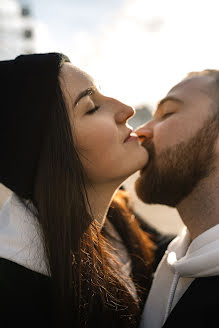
(139, 243)
(88, 288)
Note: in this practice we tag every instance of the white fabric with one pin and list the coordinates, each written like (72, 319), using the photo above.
(20, 239)
(182, 263)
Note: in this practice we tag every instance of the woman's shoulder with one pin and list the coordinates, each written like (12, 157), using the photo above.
(23, 292)
(13, 273)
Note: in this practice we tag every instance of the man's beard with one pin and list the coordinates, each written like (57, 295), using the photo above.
(173, 174)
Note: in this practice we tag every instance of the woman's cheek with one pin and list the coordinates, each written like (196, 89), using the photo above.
(100, 136)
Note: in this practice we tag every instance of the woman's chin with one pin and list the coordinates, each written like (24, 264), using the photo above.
(139, 168)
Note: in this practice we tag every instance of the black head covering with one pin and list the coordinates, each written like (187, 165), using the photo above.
(27, 92)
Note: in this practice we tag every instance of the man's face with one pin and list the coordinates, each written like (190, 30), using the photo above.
(184, 131)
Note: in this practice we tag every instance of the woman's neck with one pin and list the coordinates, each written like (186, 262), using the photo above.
(100, 197)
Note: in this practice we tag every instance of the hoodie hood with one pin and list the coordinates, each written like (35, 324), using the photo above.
(183, 261)
(20, 236)
(201, 258)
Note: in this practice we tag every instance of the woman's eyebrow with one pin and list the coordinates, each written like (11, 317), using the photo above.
(87, 92)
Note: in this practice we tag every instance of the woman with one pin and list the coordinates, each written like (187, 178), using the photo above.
(65, 150)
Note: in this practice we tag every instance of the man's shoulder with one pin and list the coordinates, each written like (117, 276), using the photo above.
(201, 290)
(205, 282)
(198, 307)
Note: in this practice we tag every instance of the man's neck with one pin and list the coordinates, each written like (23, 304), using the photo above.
(200, 210)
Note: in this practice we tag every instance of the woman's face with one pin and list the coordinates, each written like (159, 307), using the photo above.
(100, 130)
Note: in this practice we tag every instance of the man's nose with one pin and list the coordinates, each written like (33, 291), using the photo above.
(145, 131)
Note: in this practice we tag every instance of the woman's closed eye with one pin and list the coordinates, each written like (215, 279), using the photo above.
(93, 110)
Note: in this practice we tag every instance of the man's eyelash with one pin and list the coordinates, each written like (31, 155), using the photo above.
(93, 110)
(167, 114)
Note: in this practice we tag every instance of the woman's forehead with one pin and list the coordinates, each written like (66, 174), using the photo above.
(73, 81)
(71, 73)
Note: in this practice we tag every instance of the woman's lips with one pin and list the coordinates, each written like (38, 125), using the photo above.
(132, 136)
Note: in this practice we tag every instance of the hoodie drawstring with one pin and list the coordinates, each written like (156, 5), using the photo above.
(171, 295)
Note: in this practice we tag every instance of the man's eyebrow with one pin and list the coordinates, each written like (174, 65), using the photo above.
(84, 93)
(169, 98)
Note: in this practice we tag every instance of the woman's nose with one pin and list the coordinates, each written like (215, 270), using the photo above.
(124, 113)
(145, 131)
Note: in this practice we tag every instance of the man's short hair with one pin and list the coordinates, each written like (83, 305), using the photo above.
(214, 87)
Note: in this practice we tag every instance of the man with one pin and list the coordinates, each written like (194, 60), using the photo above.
(183, 172)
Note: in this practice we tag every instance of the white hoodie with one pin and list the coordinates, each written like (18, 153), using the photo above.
(20, 238)
(182, 263)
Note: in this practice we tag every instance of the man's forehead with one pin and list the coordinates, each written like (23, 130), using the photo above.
(190, 90)
(200, 84)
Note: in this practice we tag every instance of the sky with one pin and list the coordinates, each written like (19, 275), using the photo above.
(135, 49)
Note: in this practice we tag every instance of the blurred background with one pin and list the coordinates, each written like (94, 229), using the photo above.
(135, 49)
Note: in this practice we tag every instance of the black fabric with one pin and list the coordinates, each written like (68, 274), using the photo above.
(160, 239)
(27, 92)
(198, 307)
(25, 297)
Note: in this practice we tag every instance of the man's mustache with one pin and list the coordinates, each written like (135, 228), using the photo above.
(149, 146)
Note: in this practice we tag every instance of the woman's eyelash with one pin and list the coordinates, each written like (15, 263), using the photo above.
(93, 110)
